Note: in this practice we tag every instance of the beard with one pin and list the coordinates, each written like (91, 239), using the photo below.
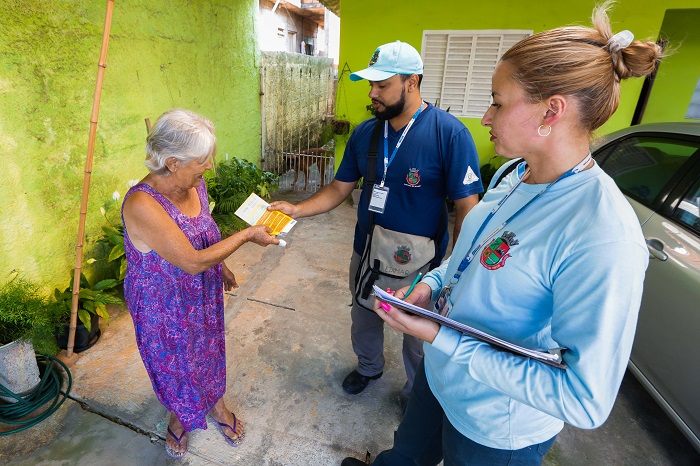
(393, 110)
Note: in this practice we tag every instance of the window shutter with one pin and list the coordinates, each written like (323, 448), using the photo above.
(458, 66)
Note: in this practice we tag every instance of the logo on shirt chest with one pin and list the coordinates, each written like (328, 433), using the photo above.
(413, 178)
(495, 254)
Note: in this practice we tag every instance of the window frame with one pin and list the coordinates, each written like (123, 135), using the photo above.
(677, 186)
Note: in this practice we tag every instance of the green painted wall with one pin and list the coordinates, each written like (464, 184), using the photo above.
(365, 24)
(197, 54)
(678, 74)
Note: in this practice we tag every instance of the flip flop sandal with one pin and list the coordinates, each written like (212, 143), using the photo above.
(172, 453)
(229, 440)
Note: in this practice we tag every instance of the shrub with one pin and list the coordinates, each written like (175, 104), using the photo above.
(92, 299)
(27, 314)
(230, 185)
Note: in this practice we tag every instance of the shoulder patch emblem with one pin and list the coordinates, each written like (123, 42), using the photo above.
(470, 177)
(495, 254)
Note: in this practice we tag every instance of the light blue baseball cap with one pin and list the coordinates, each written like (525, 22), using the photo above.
(390, 59)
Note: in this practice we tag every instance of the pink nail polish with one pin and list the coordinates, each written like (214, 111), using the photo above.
(385, 306)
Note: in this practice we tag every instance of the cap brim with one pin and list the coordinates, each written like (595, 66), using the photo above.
(371, 74)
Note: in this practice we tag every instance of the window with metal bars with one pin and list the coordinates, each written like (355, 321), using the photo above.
(458, 66)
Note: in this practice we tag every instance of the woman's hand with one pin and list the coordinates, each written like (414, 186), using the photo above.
(411, 324)
(260, 235)
(228, 277)
(420, 296)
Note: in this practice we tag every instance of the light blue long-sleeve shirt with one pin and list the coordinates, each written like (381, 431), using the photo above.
(566, 272)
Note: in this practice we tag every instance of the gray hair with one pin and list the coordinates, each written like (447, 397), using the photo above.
(182, 135)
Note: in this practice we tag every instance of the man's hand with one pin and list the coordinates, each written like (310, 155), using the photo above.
(285, 208)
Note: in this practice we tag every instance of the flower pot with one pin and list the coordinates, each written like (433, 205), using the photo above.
(83, 338)
(19, 371)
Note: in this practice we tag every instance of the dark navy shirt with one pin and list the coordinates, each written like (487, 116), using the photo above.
(436, 160)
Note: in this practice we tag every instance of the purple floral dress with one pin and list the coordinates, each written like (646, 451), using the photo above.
(179, 318)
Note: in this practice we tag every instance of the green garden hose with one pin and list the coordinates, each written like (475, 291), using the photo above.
(48, 390)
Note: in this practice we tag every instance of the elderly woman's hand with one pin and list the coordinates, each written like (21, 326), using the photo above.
(228, 277)
(260, 235)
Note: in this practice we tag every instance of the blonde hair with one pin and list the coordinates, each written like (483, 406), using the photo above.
(578, 62)
(182, 135)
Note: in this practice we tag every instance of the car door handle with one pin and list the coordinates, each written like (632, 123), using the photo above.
(656, 249)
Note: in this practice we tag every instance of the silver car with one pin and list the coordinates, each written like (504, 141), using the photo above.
(657, 166)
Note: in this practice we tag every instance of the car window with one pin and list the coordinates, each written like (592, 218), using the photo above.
(642, 166)
(688, 210)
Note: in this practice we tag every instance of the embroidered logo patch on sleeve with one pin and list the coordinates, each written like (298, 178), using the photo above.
(470, 177)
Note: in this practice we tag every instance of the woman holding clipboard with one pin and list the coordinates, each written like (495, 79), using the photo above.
(536, 264)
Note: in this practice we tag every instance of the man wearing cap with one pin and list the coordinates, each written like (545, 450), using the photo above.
(424, 155)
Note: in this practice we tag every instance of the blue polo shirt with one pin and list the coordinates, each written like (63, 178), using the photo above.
(436, 160)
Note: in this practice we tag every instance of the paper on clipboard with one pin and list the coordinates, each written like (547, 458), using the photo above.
(254, 211)
(552, 358)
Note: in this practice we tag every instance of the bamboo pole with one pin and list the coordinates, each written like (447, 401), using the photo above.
(86, 179)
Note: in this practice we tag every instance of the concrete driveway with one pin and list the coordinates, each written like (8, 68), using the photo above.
(289, 348)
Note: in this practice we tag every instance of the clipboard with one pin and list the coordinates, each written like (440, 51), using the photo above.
(551, 357)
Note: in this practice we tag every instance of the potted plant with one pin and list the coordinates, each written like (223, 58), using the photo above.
(340, 127)
(92, 304)
(28, 320)
(489, 169)
(112, 239)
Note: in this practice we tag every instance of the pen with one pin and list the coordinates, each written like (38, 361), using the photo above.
(415, 282)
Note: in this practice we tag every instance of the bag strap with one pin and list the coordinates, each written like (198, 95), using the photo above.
(508, 169)
(370, 179)
(371, 173)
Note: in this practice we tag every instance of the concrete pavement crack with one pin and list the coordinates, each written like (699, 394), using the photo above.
(153, 436)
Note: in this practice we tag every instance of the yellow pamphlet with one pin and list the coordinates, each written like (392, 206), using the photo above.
(254, 211)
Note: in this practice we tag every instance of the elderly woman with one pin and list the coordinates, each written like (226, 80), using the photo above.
(175, 270)
(551, 257)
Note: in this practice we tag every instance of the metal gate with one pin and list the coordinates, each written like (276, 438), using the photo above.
(297, 105)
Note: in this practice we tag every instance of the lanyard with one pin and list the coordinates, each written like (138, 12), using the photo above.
(387, 159)
(473, 249)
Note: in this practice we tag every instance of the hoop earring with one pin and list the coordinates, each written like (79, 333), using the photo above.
(539, 131)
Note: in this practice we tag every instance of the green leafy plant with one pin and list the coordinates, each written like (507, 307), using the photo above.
(113, 238)
(28, 314)
(232, 183)
(92, 299)
(110, 257)
(489, 169)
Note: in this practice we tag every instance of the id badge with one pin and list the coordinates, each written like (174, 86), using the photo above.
(442, 305)
(378, 200)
